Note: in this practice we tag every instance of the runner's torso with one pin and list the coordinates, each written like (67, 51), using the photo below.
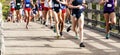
(109, 6)
(18, 2)
(56, 4)
(63, 6)
(27, 4)
(76, 3)
(12, 4)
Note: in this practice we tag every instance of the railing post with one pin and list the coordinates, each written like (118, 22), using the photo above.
(90, 14)
(119, 21)
(98, 15)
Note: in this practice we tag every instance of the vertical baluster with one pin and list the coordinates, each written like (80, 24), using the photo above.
(90, 14)
(98, 15)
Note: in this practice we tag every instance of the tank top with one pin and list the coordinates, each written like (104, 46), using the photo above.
(109, 6)
(18, 2)
(12, 4)
(62, 6)
(56, 4)
(76, 3)
(27, 3)
(39, 5)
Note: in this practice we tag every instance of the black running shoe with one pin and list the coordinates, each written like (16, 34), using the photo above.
(61, 33)
(110, 26)
(82, 45)
(68, 29)
(44, 23)
(51, 27)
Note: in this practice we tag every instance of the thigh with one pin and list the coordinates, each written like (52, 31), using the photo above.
(112, 17)
(106, 16)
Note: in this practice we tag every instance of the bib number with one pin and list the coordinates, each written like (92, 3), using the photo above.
(27, 5)
(18, 3)
(56, 5)
(109, 5)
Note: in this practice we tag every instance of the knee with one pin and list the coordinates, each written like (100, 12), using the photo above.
(80, 28)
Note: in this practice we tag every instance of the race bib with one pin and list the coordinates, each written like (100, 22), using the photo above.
(18, 3)
(56, 5)
(81, 7)
(27, 5)
(109, 5)
(74, 15)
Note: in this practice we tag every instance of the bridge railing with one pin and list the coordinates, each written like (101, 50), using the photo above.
(95, 20)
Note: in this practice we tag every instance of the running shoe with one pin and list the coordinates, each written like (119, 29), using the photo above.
(58, 36)
(54, 29)
(76, 37)
(68, 29)
(44, 22)
(82, 45)
(61, 34)
(51, 27)
(107, 36)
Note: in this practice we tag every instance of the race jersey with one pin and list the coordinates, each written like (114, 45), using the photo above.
(18, 2)
(76, 3)
(39, 5)
(62, 6)
(56, 4)
(27, 4)
(109, 6)
(12, 3)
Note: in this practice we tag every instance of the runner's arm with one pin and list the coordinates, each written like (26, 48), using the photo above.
(115, 3)
(102, 2)
(84, 4)
(31, 2)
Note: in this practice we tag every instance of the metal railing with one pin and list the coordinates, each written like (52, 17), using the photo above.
(98, 24)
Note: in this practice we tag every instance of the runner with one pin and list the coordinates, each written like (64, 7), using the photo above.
(42, 5)
(12, 10)
(46, 8)
(18, 7)
(63, 15)
(27, 5)
(39, 10)
(109, 14)
(35, 12)
(57, 16)
(50, 14)
(22, 11)
(78, 18)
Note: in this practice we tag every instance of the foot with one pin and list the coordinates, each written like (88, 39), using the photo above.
(13, 21)
(58, 36)
(68, 29)
(54, 29)
(82, 45)
(76, 37)
(26, 27)
(51, 27)
(61, 34)
(44, 23)
(107, 36)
